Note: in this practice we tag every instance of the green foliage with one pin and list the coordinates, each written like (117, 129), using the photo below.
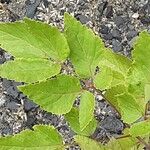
(86, 110)
(29, 70)
(140, 128)
(85, 47)
(87, 143)
(73, 119)
(42, 137)
(114, 69)
(141, 55)
(147, 92)
(55, 95)
(128, 143)
(40, 51)
(37, 47)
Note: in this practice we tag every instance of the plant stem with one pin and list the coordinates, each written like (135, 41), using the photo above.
(147, 146)
(89, 86)
(146, 108)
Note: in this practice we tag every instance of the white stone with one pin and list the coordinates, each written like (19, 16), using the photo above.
(135, 15)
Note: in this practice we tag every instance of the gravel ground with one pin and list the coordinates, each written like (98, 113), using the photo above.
(118, 22)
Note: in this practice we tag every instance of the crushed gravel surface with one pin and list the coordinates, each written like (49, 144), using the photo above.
(118, 22)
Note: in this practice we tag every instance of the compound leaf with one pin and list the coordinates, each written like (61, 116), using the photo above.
(42, 137)
(140, 128)
(86, 109)
(73, 119)
(55, 95)
(85, 47)
(29, 70)
(38, 48)
(88, 144)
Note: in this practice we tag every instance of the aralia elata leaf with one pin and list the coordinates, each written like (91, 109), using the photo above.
(85, 47)
(141, 55)
(55, 95)
(33, 39)
(86, 109)
(37, 45)
(130, 109)
(147, 92)
(140, 129)
(113, 70)
(127, 143)
(73, 119)
(42, 137)
(88, 144)
(125, 103)
(29, 70)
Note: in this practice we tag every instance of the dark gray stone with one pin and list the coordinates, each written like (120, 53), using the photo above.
(12, 106)
(101, 7)
(45, 3)
(30, 121)
(104, 29)
(108, 36)
(148, 7)
(83, 19)
(109, 12)
(131, 34)
(6, 83)
(2, 58)
(116, 34)
(12, 92)
(116, 45)
(145, 20)
(112, 124)
(5, 1)
(28, 105)
(31, 6)
(119, 20)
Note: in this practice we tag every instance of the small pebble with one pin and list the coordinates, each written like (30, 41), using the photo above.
(116, 45)
(135, 15)
(118, 20)
(109, 12)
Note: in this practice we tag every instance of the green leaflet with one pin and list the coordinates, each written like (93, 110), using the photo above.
(55, 95)
(125, 103)
(86, 109)
(29, 70)
(36, 45)
(140, 128)
(32, 39)
(88, 144)
(43, 137)
(137, 91)
(111, 95)
(141, 55)
(108, 78)
(122, 144)
(147, 92)
(73, 119)
(113, 70)
(85, 47)
(130, 109)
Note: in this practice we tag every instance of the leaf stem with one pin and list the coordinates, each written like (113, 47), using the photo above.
(147, 146)
(88, 86)
(146, 108)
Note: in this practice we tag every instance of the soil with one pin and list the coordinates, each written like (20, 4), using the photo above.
(118, 22)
